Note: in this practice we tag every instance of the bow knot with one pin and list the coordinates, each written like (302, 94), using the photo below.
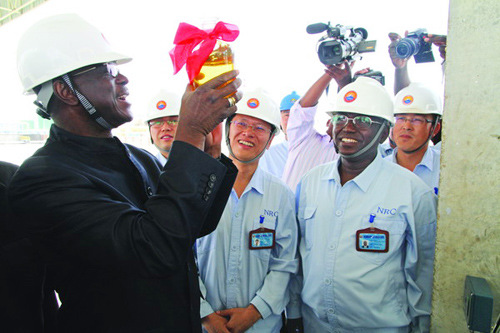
(188, 37)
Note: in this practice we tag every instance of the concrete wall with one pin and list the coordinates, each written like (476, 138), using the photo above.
(468, 240)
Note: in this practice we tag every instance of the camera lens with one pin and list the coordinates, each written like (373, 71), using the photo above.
(407, 47)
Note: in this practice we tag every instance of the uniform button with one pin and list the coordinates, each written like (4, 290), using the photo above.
(338, 212)
(330, 310)
(233, 247)
(206, 197)
(213, 177)
(332, 246)
(328, 281)
(237, 214)
(211, 184)
(149, 191)
(231, 280)
(208, 191)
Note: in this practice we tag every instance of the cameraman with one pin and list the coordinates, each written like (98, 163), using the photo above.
(308, 148)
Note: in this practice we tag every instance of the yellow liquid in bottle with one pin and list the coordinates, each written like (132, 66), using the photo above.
(219, 62)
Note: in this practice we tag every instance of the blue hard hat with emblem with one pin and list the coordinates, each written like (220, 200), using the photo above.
(288, 101)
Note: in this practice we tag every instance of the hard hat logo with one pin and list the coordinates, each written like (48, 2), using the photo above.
(161, 105)
(408, 99)
(253, 103)
(350, 96)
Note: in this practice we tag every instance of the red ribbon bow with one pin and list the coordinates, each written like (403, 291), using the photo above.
(189, 36)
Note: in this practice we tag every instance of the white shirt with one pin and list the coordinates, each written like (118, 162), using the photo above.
(161, 158)
(307, 147)
(274, 159)
(345, 290)
(235, 276)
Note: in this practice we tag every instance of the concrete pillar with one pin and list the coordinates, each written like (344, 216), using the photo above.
(468, 232)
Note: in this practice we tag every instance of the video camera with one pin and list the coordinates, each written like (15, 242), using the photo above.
(340, 42)
(414, 45)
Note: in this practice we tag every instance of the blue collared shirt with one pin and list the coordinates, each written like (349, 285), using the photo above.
(345, 290)
(274, 159)
(427, 169)
(234, 275)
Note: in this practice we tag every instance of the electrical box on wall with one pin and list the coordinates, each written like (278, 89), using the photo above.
(478, 304)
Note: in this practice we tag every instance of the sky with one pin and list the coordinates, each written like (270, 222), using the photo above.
(273, 50)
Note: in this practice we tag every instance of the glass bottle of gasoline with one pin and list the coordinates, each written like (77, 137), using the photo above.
(219, 61)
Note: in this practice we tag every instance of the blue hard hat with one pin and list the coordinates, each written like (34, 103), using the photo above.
(288, 101)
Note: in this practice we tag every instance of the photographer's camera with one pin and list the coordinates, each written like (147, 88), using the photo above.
(414, 45)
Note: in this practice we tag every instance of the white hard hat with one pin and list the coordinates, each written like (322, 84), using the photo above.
(257, 103)
(417, 98)
(163, 104)
(364, 96)
(60, 44)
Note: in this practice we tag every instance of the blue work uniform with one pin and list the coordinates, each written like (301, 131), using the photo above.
(345, 290)
(274, 159)
(427, 169)
(233, 274)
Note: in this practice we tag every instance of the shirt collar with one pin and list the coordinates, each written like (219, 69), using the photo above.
(364, 179)
(84, 143)
(427, 159)
(257, 181)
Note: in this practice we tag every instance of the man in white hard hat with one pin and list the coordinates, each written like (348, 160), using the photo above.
(162, 120)
(116, 227)
(274, 159)
(417, 112)
(401, 75)
(246, 263)
(367, 229)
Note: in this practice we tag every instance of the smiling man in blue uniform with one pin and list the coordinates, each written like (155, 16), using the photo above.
(116, 226)
(367, 229)
(246, 263)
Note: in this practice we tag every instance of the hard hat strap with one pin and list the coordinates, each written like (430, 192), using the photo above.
(44, 95)
(87, 105)
(374, 141)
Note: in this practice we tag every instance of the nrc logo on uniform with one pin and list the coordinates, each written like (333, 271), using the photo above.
(270, 213)
(386, 211)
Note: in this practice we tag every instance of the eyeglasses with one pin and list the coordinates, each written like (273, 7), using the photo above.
(416, 121)
(111, 69)
(160, 123)
(361, 122)
(257, 129)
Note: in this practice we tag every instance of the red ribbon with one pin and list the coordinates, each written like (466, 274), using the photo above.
(189, 36)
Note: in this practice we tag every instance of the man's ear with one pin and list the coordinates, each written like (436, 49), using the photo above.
(270, 141)
(436, 130)
(64, 93)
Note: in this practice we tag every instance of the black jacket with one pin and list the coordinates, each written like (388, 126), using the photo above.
(118, 232)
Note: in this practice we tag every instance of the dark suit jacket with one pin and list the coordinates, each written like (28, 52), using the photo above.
(118, 231)
(24, 304)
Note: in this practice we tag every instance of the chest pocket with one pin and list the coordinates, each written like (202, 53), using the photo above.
(307, 225)
(397, 231)
(269, 223)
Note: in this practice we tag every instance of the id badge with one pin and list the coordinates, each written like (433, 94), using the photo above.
(262, 238)
(372, 240)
